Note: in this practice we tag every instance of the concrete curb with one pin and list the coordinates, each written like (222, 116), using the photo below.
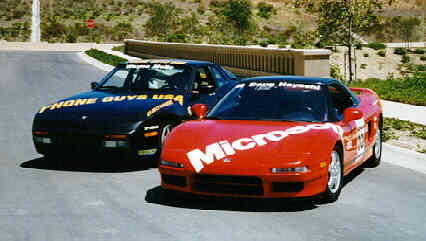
(405, 158)
(95, 62)
(416, 114)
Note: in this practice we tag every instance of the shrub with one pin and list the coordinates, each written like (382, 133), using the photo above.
(405, 59)
(376, 46)
(400, 51)
(282, 45)
(381, 53)
(264, 43)
(409, 89)
(421, 67)
(419, 51)
(358, 45)
(176, 38)
(423, 58)
(71, 37)
(363, 66)
(265, 10)
(335, 72)
(366, 55)
(105, 57)
(272, 41)
(118, 48)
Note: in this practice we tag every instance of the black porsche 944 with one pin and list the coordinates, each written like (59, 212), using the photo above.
(129, 112)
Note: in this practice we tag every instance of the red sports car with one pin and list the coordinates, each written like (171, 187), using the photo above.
(281, 136)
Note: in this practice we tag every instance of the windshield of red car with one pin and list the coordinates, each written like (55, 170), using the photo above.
(280, 101)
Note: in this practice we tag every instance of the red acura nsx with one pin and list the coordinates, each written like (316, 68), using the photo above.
(282, 136)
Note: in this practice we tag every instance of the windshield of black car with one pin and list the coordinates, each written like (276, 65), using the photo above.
(149, 77)
(280, 101)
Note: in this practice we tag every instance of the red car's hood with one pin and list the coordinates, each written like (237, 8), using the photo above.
(208, 146)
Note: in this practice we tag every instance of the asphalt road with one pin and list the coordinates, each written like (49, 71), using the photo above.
(40, 201)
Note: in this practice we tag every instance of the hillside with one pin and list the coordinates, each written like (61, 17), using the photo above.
(63, 21)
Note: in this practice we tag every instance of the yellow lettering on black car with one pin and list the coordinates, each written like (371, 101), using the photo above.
(80, 102)
(158, 107)
(107, 99)
(142, 97)
(131, 97)
(91, 100)
(43, 109)
(57, 105)
(68, 103)
(179, 99)
(119, 98)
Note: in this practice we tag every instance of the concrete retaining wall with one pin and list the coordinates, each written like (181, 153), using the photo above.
(241, 60)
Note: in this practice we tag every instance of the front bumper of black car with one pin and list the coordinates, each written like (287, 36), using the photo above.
(124, 146)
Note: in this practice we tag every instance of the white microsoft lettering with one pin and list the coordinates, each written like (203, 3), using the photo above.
(238, 144)
(219, 150)
(197, 157)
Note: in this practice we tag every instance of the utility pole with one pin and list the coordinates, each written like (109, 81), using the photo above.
(35, 27)
(349, 9)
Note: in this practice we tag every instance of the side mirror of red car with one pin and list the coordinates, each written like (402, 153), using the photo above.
(351, 114)
(199, 110)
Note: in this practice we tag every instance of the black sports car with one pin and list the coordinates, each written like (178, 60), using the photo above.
(130, 111)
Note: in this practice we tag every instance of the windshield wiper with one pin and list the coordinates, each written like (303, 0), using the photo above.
(213, 118)
(109, 87)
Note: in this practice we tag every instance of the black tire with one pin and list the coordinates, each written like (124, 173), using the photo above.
(335, 178)
(375, 159)
(54, 159)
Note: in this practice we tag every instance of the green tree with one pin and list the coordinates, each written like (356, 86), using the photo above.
(163, 18)
(240, 13)
(190, 25)
(265, 10)
(338, 20)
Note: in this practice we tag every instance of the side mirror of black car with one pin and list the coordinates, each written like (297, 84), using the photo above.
(93, 85)
(206, 89)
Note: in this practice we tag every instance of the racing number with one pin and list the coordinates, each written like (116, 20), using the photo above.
(360, 136)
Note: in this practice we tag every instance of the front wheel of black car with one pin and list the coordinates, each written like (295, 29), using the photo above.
(165, 130)
(54, 159)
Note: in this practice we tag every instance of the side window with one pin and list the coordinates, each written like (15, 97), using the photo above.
(203, 77)
(220, 79)
(340, 98)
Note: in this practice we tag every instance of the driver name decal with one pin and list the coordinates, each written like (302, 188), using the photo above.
(221, 149)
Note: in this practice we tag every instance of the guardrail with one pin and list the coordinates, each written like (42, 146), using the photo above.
(241, 60)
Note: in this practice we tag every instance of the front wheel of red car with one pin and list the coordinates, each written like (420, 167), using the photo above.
(335, 178)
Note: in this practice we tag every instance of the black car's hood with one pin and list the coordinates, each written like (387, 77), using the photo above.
(109, 107)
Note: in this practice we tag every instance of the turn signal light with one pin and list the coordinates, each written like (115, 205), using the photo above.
(287, 170)
(149, 134)
(41, 133)
(119, 137)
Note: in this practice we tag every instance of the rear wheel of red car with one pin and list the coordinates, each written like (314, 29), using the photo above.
(335, 178)
(375, 159)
